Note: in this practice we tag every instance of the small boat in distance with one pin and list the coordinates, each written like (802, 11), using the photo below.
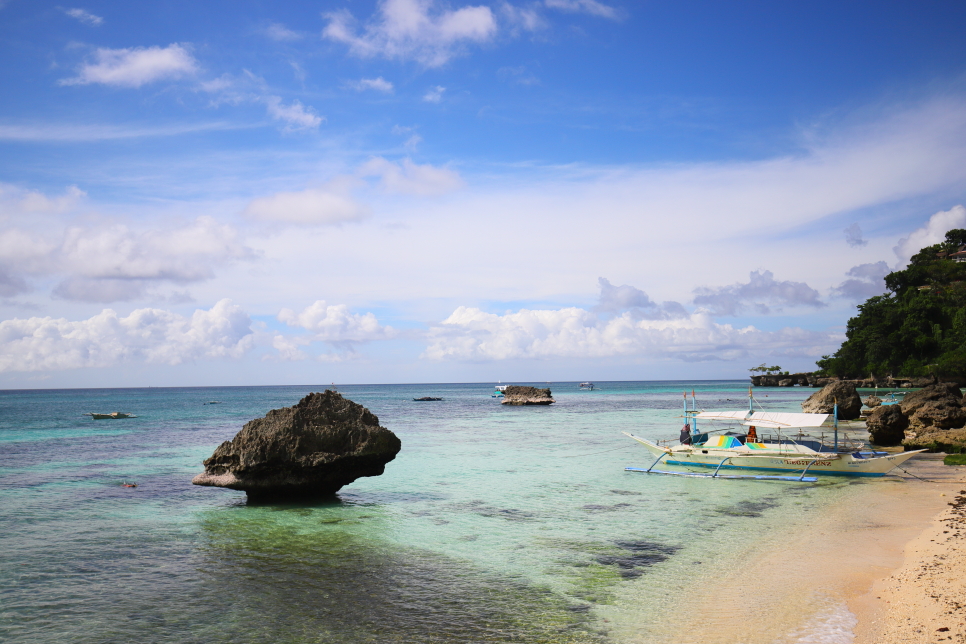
(114, 415)
(426, 398)
(589, 386)
(213, 402)
(498, 392)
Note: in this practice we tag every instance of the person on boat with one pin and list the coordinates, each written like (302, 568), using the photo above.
(686, 434)
(752, 435)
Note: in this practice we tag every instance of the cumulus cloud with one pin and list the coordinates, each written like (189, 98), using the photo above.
(932, 233)
(329, 205)
(135, 66)
(865, 281)
(434, 94)
(761, 293)
(473, 335)
(591, 7)
(84, 16)
(116, 263)
(334, 323)
(411, 178)
(379, 84)
(107, 339)
(16, 201)
(853, 236)
(280, 33)
(296, 116)
(616, 299)
(413, 30)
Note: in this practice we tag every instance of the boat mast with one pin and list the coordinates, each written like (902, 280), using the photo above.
(694, 413)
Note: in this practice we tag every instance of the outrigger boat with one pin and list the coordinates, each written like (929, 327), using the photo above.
(788, 448)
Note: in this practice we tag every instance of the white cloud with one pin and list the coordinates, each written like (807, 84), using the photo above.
(410, 178)
(379, 84)
(522, 17)
(330, 205)
(760, 294)
(95, 132)
(616, 299)
(105, 340)
(591, 7)
(84, 16)
(865, 281)
(332, 324)
(296, 115)
(414, 29)
(853, 236)
(16, 201)
(932, 233)
(434, 94)
(470, 334)
(116, 263)
(135, 67)
(279, 32)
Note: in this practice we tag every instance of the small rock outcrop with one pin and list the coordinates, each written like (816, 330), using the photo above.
(823, 402)
(887, 426)
(872, 402)
(951, 441)
(516, 395)
(311, 449)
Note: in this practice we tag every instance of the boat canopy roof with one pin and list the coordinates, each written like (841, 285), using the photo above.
(778, 420)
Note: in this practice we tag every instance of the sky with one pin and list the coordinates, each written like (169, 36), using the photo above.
(254, 193)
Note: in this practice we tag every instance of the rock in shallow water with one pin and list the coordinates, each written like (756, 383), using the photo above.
(517, 395)
(311, 449)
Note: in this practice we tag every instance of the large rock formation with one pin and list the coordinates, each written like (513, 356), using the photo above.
(941, 414)
(312, 449)
(945, 392)
(515, 395)
(872, 402)
(887, 425)
(823, 402)
(951, 441)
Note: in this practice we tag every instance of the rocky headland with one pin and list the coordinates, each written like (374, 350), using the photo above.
(811, 379)
(932, 418)
(311, 449)
(517, 395)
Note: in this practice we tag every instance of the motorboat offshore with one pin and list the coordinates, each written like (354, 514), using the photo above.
(767, 445)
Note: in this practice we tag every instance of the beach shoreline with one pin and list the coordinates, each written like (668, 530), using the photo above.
(923, 599)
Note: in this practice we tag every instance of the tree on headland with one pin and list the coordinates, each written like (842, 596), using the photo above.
(918, 328)
(765, 370)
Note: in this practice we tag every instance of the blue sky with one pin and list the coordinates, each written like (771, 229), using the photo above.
(410, 190)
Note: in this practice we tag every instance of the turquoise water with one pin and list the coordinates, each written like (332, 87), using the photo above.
(494, 523)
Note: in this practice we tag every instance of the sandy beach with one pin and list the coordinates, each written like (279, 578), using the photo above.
(924, 599)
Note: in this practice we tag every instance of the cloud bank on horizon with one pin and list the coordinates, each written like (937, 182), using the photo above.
(412, 190)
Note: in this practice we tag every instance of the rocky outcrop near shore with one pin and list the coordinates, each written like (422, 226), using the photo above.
(516, 395)
(936, 418)
(843, 392)
(811, 379)
(311, 449)
(887, 426)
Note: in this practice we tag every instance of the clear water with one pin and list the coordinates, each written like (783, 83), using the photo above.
(494, 523)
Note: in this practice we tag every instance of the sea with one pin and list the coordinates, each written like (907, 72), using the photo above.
(493, 524)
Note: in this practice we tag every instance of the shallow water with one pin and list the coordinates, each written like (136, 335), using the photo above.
(494, 524)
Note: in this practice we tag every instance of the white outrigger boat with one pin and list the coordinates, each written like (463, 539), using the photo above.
(788, 447)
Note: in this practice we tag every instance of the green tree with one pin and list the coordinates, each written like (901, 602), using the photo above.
(916, 329)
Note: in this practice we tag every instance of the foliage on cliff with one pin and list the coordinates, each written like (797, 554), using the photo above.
(918, 328)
